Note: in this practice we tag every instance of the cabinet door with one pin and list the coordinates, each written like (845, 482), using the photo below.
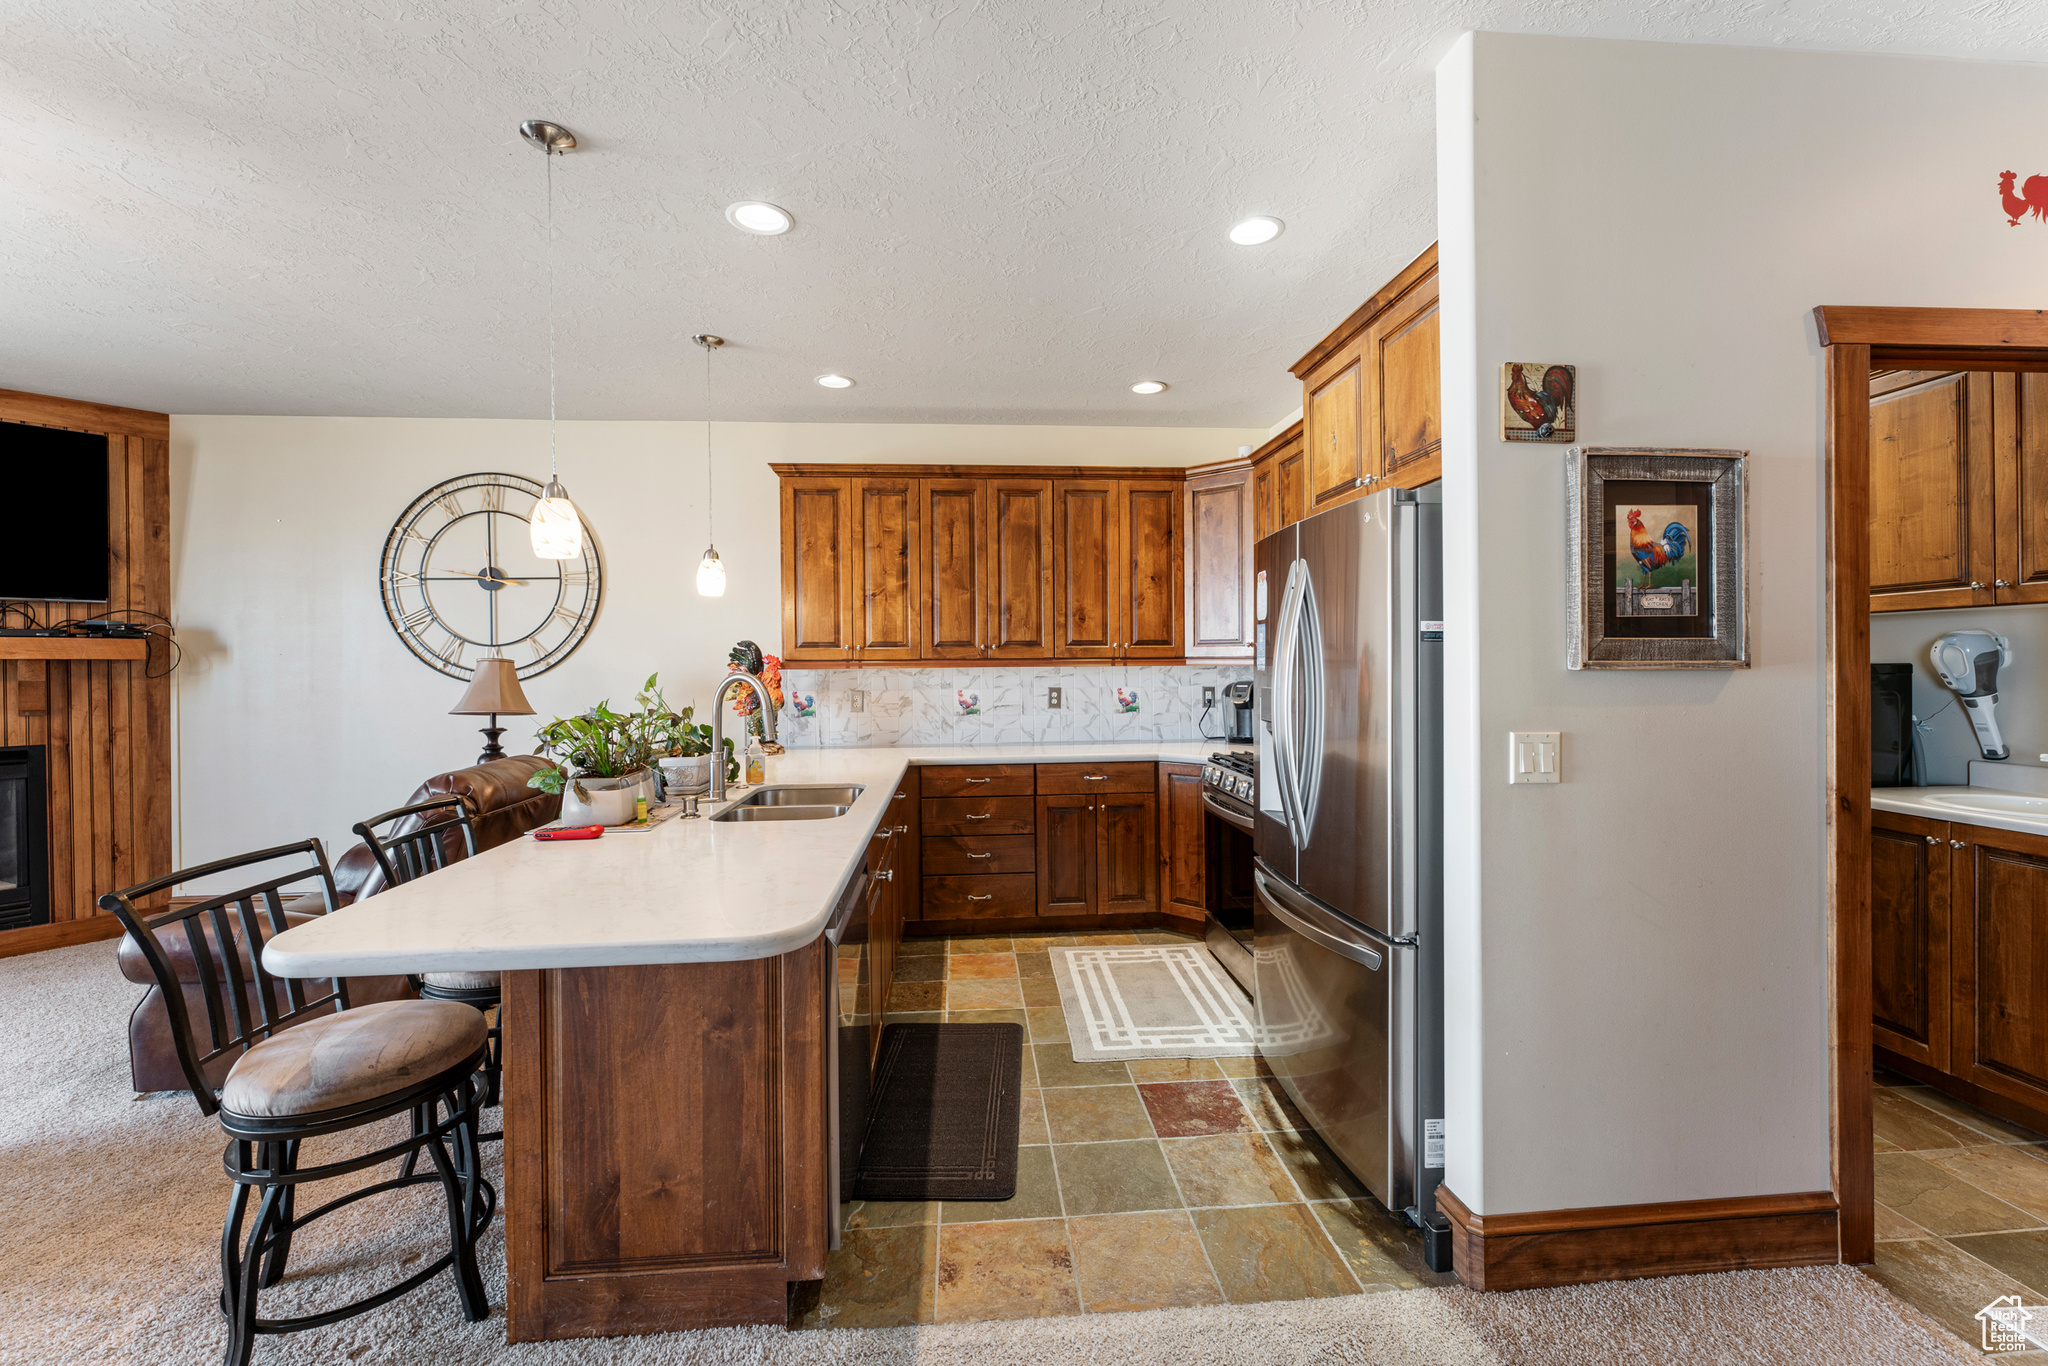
(1291, 486)
(1183, 824)
(1151, 587)
(886, 587)
(1019, 572)
(1999, 963)
(2020, 423)
(817, 568)
(1219, 565)
(1085, 558)
(1909, 916)
(1932, 529)
(1265, 505)
(1404, 343)
(1333, 421)
(1066, 856)
(904, 812)
(952, 558)
(1126, 852)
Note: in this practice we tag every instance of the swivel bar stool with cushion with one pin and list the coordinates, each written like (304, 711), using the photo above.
(305, 1065)
(420, 839)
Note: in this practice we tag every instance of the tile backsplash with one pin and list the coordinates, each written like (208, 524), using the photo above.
(1001, 706)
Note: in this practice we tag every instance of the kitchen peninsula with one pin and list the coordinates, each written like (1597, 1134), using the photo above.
(669, 997)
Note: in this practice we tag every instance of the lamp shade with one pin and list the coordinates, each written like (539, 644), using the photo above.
(557, 530)
(493, 691)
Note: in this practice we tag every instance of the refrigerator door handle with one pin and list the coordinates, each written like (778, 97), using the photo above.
(1313, 923)
(1283, 701)
(1307, 749)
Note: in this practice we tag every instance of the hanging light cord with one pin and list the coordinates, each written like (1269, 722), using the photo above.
(709, 521)
(554, 472)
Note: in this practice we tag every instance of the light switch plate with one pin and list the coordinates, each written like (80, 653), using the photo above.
(1535, 756)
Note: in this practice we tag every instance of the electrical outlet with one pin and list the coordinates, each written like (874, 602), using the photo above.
(1208, 698)
(860, 699)
(1052, 699)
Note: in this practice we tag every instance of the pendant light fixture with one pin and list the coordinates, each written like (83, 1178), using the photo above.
(557, 530)
(710, 573)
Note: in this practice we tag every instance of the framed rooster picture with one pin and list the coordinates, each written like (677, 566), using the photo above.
(1539, 402)
(1658, 542)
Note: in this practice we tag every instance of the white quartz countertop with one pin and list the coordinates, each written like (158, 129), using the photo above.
(1967, 806)
(684, 892)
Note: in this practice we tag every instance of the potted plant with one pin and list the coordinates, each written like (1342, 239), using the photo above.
(682, 749)
(601, 764)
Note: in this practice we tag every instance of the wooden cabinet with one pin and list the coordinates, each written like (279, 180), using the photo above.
(1117, 569)
(886, 587)
(1279, 483)
(1959, 959)
(953, 563)
(1183, 826)
(1126, 852)
(1370, 397)
(1019, 515)
(1958, 489)
(907, 815)
(1220, 520)
(817, 569)
(1098, 839)
(1066, 855)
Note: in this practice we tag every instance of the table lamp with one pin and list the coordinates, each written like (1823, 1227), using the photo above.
(493, 692)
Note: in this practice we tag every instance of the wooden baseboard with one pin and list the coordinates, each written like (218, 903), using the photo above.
(1623, 1242)
(58, 935)
(1991, 1102)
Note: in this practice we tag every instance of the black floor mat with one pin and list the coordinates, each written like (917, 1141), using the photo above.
(943, 1121)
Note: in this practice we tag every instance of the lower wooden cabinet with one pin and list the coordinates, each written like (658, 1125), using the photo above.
(1126, 852)
(1183, 827)
(1959, 953)
(1066, 855)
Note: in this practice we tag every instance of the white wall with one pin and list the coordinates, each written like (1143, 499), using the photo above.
(300, 712)
(1641, 950)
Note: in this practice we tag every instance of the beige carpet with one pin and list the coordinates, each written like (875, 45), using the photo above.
(110, 1223)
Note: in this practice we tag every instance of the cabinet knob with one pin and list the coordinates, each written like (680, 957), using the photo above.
(1955, 844)
(2000, 583)
(902, 829)
(1975, 584)
(886, 875)
(1934, 839)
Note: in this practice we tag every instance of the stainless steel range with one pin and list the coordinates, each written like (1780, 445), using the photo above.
(1230, 792)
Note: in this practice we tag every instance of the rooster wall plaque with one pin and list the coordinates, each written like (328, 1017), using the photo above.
(1538, 402)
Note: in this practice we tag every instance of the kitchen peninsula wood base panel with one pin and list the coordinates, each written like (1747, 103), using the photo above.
(1625, 1242)
(665, 1144)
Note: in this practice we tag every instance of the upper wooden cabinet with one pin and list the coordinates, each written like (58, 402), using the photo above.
(1958, 489)
(931, 564)
(1371, 412)
(1279, 483)
(1220, 522)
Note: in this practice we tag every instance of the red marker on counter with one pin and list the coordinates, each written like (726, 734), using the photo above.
(571, 832)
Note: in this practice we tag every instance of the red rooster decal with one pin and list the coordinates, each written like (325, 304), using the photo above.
(1540, 409)
(2032, 198)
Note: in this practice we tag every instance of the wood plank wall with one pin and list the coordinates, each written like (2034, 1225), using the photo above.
(105, 725)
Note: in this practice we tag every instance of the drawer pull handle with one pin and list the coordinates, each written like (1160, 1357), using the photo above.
(981, 856)
(989, 897)
(886, 875)
(965, 781)
(902, 829)
(901, 795)
(1094, 777)
(982, 817)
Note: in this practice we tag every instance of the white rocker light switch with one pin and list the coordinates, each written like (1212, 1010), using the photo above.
(1535, 756)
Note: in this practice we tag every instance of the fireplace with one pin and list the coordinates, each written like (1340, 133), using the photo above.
(24, 839)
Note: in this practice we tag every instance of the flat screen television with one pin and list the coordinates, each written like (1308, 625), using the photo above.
(57, 484)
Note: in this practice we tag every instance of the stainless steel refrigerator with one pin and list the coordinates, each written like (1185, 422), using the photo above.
(1348, 836)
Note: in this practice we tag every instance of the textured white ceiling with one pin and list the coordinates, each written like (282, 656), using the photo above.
(1005, 212)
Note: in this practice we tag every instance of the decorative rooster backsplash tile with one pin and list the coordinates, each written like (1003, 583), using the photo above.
(1002, 706)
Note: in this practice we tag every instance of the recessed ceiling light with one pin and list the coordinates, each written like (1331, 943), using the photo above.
(1149, 386)
(764, 220)
(1256, 231)
(835, 381)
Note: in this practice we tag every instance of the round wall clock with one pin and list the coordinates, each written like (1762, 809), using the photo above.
(461, 581)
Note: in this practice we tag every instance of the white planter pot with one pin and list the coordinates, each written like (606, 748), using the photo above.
(611, 799)
(683, 777)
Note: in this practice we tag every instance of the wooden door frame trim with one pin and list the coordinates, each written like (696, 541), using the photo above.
(1851, 340)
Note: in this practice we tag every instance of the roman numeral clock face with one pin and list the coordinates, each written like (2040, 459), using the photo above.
(461, 581)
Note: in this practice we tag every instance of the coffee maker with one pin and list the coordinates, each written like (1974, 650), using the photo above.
(1238, 714)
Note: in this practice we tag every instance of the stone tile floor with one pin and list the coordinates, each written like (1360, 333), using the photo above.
(1962, 1207)
(1140, 1185)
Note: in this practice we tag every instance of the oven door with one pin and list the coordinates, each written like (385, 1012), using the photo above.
(1229, 927)
(849, 1025)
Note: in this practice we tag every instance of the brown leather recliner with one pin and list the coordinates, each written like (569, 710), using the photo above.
(502, 808)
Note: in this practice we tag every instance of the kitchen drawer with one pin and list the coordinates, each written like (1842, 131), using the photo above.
(980, 854)
(979, 816)
(981, 896)
(977, 780)
(1069, 779)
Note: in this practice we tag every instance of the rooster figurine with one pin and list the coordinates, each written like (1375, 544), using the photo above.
(1651, 553)
(1541, 407)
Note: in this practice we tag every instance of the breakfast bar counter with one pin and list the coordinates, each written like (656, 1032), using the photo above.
(671, 1011)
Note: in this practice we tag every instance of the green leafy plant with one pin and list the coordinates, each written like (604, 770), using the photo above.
(602, 743)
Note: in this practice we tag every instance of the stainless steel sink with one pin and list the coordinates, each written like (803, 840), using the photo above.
(801, 796)
(744, 812)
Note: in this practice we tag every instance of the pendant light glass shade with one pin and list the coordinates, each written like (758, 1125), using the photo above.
(557, 530)
(710, 576)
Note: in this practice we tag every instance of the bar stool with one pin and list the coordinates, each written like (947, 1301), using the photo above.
(306, 1065)
(424, 845)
